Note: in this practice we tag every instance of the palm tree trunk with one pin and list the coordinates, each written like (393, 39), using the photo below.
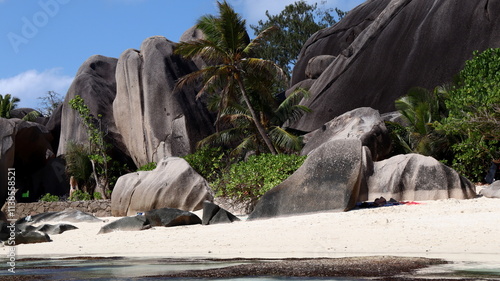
(261, 130)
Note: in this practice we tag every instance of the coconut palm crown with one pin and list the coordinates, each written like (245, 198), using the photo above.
(228, 52)
(7, 104)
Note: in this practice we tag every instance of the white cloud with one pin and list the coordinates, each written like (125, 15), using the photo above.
(32, 84)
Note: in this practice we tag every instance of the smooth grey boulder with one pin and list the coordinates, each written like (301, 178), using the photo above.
(191, 34)
(55, 229)
(416, 177)
(154, 120)
(214, 214)
(383, 48)
(173, 184)
(32, 237)
(54, 126)
(134, 223)
(169, 217)
(317, 65)
(363, 123)
(21, 112)
(330, 179)
(492, 191)
(95, 82)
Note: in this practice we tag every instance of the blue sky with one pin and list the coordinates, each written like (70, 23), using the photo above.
(44, 42)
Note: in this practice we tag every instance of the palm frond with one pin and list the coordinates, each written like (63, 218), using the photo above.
(208, 51)
(225, 137)
(290, 110)
(261, 37)
(208, 25)
(232, 28)
(264, 66)
(285, 140)
(247, 144)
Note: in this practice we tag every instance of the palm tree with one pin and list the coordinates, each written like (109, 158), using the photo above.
(227, 49)
(7, 104)
(421, 109)
(243, 134)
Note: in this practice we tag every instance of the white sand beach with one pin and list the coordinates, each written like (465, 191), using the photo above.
(455, 230)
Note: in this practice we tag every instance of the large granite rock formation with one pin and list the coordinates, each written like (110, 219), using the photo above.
(193, 34)
(54, 126)
(26, 146)
(329, 179)
(95, 83)
(173, 184)
(7, 152)
(21, 112)
(416, 177)
(363, 123)
(383, 48)
(340, 173)
(154, 120)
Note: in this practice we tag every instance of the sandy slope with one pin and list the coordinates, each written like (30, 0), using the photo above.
(460, 230)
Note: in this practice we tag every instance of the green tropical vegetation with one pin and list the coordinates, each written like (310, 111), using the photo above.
(49, 198)
(247, 181)
(9, 103)
(457, 124)
(473, 112)
(80, 195)
(232, 69)
(295, 24)
(97, 149)
(243, 136)
(251, 119)
(148, 167)
(209, 162)
(78, 163)
(421, 109)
